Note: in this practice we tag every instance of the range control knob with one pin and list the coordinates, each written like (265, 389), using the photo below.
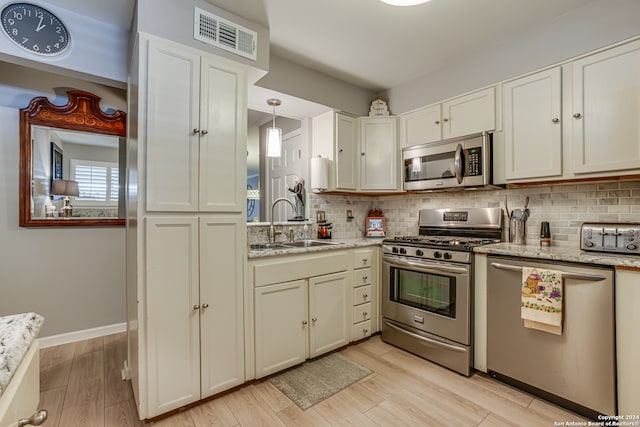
(588, 244)
(632, 246)
(419, 252)
(394, 250)
(437, 255)
(447, 255)
(403, 251)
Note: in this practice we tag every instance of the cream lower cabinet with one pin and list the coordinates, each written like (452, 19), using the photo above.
(194, 309)
(300, 319)
(628, 340)
(366, 308)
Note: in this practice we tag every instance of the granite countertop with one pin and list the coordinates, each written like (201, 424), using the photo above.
(560, 253)
(342, 244)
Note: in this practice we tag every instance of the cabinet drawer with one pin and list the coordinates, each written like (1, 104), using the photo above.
(362, 312)
(362, 295)
(363, 258)
(362, 277)
(361, 330)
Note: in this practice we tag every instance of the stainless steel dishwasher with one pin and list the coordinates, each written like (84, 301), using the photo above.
(575, 369)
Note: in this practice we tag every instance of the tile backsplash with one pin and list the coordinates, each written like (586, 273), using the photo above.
(564, 206)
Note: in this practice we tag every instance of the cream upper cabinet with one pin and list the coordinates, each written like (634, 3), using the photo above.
(346, 152)
(605, 112)
(469, 114)
(195, 131)
(532, 109)
(364, 151)
(463, 115)
(378, 154)
(421, 126)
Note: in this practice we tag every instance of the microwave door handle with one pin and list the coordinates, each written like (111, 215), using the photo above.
(457, 163)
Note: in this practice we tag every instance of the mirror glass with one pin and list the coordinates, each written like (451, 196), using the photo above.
(71, 163)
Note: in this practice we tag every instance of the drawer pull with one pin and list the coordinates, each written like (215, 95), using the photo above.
(364, 314)
(364, 278)
(304, 322)
(365, 260)
(365, 331)
(365, 296)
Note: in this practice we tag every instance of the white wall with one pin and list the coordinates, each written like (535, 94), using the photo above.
(74, 277)
(596, 24)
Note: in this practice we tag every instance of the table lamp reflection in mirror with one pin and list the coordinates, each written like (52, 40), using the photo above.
(65, 188)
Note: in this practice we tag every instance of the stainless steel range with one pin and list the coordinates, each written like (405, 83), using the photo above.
(427, 284)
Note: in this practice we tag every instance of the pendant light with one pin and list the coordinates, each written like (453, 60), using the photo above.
(274, 134)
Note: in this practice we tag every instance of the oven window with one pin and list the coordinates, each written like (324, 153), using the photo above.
(437, 166)
(424, 291)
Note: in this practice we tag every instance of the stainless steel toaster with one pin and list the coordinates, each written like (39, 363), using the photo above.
(622, 238)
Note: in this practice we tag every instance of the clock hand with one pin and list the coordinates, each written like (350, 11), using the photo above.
(40, 26)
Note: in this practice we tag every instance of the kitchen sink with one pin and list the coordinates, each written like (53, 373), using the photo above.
(309, 243)
(267, 246)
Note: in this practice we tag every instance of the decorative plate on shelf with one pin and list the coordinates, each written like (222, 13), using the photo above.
(378, 107)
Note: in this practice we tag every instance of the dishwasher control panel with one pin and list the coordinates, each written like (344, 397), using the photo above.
(622, 238)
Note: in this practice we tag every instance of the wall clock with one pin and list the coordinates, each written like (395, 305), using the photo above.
(378, 107)
(35, 29)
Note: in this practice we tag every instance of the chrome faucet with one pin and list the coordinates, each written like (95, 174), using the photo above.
(272, 232)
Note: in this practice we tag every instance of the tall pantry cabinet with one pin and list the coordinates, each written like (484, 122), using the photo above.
(186, 225)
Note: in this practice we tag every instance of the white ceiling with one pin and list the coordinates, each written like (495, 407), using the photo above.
(366, 42)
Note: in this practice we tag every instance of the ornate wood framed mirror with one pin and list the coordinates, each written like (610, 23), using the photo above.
(70, 162)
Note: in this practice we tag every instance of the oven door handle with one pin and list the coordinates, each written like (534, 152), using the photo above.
(565, 275)
(428, 341)
(457, 163)
(426, 269)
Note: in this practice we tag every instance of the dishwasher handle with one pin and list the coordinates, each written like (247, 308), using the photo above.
(565, 275)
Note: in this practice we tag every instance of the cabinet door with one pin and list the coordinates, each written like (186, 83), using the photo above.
(533, 134)
(281, 326)
(222, 243)
(328, 313)
(628, 340)
(346, 140)
(606, 108)
(421, 126)
(378, 154)
(173, 344)
(469, 114)
(173, 77)
(223, 129)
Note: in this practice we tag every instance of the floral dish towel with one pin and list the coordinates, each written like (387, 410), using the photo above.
(541, 302)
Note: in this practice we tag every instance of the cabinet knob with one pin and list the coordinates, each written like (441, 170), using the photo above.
(437, 122)
(365, 331)
(204, 132)
(362, 154)
(340, 150)
(365, 296)
(314, 320)
(364, 278)
(304, 322)
(196, 307)
(445, 120)
(364, 314)
(555, 120)
(365, 260)
(205, 305)
(196, 130)
(577, 116)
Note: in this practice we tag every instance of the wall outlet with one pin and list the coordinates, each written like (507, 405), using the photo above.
(349, 215)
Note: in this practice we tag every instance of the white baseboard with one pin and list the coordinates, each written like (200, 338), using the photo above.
(85, 334)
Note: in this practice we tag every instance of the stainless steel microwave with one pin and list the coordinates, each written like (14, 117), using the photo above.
(453, 163)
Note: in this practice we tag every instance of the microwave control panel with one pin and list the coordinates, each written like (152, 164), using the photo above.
(610, 237)
(473, 161)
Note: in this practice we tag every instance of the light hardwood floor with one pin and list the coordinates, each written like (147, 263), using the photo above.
(81, 387)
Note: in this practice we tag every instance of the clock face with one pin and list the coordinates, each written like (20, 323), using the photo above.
(35, 29)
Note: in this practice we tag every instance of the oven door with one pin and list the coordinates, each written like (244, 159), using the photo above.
(431, 296)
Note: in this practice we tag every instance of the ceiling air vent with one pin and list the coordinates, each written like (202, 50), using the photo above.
(219, 32)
